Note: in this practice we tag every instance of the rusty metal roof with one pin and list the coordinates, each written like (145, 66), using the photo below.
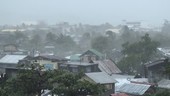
(108, 66)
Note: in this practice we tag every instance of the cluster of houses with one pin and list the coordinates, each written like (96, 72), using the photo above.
(97, 69)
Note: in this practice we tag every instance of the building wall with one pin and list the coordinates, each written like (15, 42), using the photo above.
(48, 63)
(8, 65)
(89, 56)
(11, 73)
(79, 68)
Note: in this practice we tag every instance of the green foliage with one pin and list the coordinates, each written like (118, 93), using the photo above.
(111, 35)
(33, 80)
(69, 84)
(100, 44)
(163, 93)
(166, 27)
(50, 38)
(160, 93)
(36, 41)
(137, 54)
(65, 44)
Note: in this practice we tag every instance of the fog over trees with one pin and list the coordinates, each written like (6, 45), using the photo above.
(77, 37)
(68, 39)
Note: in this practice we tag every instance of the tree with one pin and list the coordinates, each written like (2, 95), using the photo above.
(129, 35)
(20, 39)
(126, 34)
(85, 41)
(30, 82)
(36, 41)
(166, 27)
(137, 54)
(3, 79)
(65, 44)
(70, 84)
(50, 38)
(100, 44)
(111, 35)
(160, 93)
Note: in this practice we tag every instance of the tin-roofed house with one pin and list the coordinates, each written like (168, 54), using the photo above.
(101, 78)
(82, 62)
(76, 67)
(9, 64)
(11, 61)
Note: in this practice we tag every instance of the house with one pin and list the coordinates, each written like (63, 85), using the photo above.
(134, 89)
(106, 66)
(11, 61)
(101, 78)
(79, 67)
(90, 61)
(83, 62)
(49, 61)
(91, 55)
(155, 71)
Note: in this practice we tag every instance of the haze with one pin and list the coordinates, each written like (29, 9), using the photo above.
(85, 11)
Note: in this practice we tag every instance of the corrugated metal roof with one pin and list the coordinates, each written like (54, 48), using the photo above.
(135, 89)
(164, 84)
(101, 77)
(96, 52)
(108, 66)
(13, 59)
(121, 79)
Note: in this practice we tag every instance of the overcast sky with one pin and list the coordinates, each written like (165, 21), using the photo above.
(85, 11)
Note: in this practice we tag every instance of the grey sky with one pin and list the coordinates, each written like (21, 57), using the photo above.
(85, 11)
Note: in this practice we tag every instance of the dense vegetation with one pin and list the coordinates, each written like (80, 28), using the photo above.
(33, 80)
(137, 54)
